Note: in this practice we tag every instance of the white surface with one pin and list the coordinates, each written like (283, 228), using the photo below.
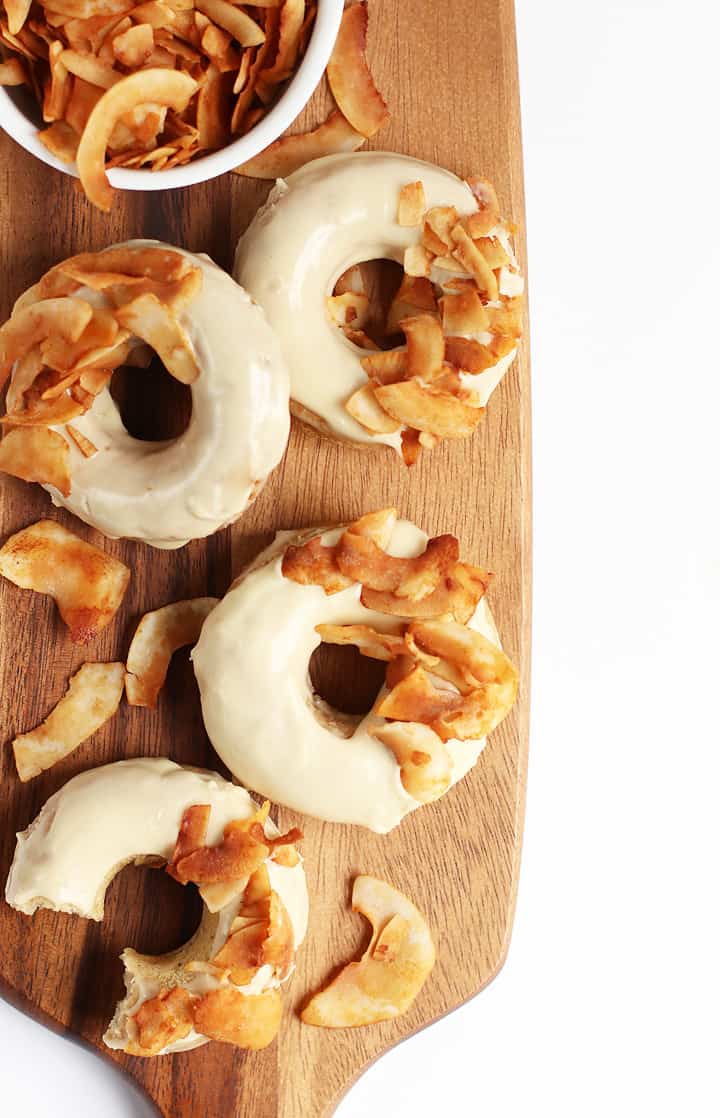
(608, 1002)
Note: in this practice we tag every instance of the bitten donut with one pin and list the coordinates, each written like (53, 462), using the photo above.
(459, 304)
(224, 982)
(380, 585)
(97, 311)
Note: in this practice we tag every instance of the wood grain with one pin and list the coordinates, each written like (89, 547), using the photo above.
(449, 72)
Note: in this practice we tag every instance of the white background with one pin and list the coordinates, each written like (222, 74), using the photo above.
(608, 1004)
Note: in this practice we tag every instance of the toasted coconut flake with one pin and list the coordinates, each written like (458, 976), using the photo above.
(469, 355)
(37, 454)
(464, 313)
(233, 19)
(365, 409)
(243, 849)
(478, 658)
(468, 254)
(378, 646)
(87, 584)
(160, 634)
(155, 323)
(92, 698)
(33, 323)
(12, 72)
(414, 294)
(133, 47)
(416, 261)
(488, 214)
(292, 17)
(261, 934)
(425, 346)
(90, 69)
(425, 764)
(287, 154)
(164, 87)
(350, 79)
(506, 319)
(427, 409)
(457, 596)
(493, 251)
(247, 1021)
(192, 832)
(377, 526)
(312, 564)
(360, 339)
(348, 309)
(386, 366)
(411, 204)
(84, 445)
(391, 973)
(161, 1021)
(61, 141)
(411, 446)
(416, 699)
(361, 559)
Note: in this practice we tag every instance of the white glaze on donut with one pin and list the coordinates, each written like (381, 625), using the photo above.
(167, 493)
(331, 214)
(107, 817)
(251, 663)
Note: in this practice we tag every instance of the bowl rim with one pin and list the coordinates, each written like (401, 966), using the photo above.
(303, 84)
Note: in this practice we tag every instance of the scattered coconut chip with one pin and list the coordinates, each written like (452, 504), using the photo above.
(464, 313)
(33, 323)
(147, 318)
(350, 79)
(414, 294)
(61, 141)
(361, 560)
(287, 154)
(386, 366)
(457, 596)
(425, 346)
(363, 406)
(427, 408)
(17, 12)
(161, 1021)
(133, 47)
(260, 935)
(469, 355)
(92, 698)
(245, 1020)
(468, 254)
(391, 973)
(378, 646)
(234, 20)
(192, 832)
(416, 261)
(37, 454)
(377, 526)
(313, 564)
(411, 204)
(84, 445)
(88, 585)
(489, 210)
(425, 764)
(159, 634)
(348, 309)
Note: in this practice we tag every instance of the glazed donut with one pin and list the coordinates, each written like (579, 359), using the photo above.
(165, 493)
(132, 811)
(341, 210)
(277, 737)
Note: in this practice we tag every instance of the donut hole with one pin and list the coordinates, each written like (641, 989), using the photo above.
(154, 406)
(345, 682)
(163, 913)
(380, 282)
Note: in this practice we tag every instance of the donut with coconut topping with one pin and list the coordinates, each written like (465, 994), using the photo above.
(95, 312)
(380, 585)
(459, 305)
(224, 983)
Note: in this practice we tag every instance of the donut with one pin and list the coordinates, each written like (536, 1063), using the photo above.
(127, 301)
(459, 304)
(132, 811)
(447, 685)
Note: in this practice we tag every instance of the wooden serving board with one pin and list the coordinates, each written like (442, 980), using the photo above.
(449, 73)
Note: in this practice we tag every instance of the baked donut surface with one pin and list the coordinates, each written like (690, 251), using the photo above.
(132, 811)
(332, 214)
(168, 492)
(277, 736)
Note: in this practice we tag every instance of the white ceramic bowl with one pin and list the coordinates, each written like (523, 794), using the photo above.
(20, 118)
